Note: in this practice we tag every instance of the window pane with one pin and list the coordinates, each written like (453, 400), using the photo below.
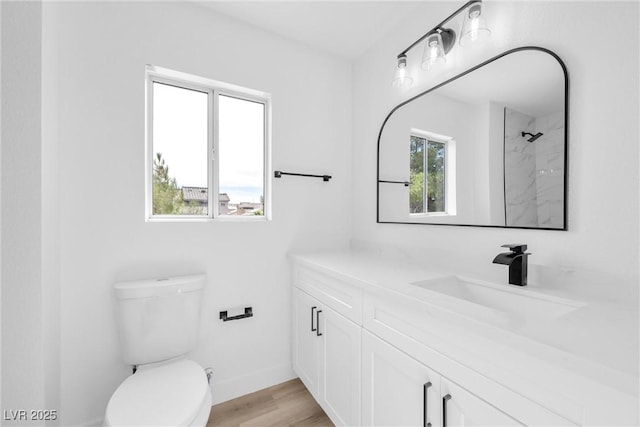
(416, 175)
(241, 150)
(435, 177)
(179, 151)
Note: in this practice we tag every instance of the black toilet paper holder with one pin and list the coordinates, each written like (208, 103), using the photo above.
(248, 312)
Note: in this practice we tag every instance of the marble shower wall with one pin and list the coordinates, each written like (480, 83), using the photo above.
(534, 184)
(550, 170)
(520, 192)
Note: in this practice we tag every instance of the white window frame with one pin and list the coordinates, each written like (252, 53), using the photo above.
(449, 172)
(214, 90)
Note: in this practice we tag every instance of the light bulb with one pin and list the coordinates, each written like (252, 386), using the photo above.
(474, 17)
(433, 53)
(474, 27)
(401, 79)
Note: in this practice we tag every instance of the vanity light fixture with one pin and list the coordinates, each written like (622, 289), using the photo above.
(401, 79)
(433, 54)
(440, 40)
(474, 28)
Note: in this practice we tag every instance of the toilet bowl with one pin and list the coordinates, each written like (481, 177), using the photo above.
(170, 394)
(158, 324)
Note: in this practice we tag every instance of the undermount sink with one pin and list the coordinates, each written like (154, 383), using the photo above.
(487, 301)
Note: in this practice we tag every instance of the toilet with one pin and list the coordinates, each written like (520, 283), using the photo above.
(158, 322)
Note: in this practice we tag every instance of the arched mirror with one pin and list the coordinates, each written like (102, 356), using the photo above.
(486, 148)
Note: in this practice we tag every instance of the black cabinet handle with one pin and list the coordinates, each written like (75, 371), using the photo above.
(425, 404)
(318, 323)
(312, 328)
(445, 399)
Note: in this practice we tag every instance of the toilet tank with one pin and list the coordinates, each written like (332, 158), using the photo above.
(158, 319)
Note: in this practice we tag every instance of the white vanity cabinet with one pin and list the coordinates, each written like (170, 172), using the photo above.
(461, 408)
(374, 357)
(340, 368)
(399, 390)
(306, 343)
(326, 357)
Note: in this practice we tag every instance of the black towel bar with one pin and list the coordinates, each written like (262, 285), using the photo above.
(405, 183)
(278, 174)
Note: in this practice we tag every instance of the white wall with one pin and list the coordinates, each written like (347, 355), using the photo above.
(1, 118)
(22, 317)
(603, 133)
(50, 205)
(495, 142)
(100, 56)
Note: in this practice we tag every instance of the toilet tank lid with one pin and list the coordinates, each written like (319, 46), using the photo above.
(159, 287)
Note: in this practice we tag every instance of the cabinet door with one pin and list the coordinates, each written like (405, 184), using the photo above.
(306, 342)
(461, 408)
(397, 390)
(340, 368)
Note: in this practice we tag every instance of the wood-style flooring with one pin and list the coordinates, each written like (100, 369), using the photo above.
(286, 404)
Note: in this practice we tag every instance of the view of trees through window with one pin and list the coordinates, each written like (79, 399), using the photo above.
(182, 171)
(168, 198)
(426, 193)
(416, 175)
(180, 129)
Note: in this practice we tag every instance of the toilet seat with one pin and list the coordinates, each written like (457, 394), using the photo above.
(171, 394)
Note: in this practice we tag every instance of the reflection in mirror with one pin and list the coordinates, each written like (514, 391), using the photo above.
(533, 164)
(486, 148)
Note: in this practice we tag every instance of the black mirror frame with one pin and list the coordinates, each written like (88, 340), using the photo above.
(464, 73)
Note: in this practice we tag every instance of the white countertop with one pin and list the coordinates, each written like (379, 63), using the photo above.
(598, 341)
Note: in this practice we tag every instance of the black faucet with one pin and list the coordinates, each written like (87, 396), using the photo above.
(517, 262)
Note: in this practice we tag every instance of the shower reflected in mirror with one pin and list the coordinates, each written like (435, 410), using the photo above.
(485, 148)
(532, 136)
(533, 168)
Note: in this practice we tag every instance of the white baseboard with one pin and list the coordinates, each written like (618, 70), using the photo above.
(248, 383)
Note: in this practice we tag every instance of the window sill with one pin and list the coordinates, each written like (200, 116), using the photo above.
(256, 218)
(430, 215)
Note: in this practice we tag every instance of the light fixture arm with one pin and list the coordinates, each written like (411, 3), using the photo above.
(438, 28)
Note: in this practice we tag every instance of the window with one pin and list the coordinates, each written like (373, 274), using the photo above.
(431, 182)
(207, 149)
